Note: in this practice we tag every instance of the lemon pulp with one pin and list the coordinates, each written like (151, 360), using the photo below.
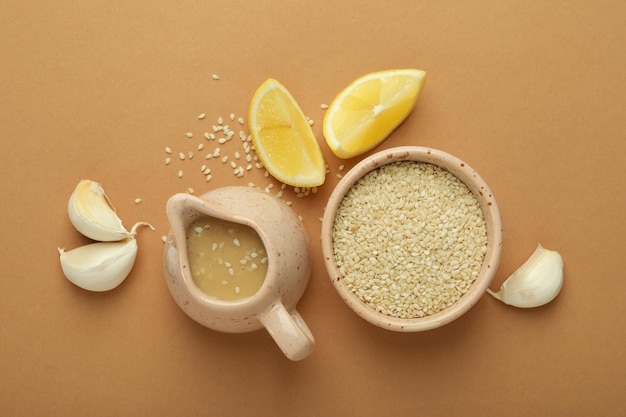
(283, 138)
(369, 109)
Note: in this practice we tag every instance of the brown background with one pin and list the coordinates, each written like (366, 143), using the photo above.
(531, 94)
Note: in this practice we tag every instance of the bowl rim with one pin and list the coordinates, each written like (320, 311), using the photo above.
(491, 214)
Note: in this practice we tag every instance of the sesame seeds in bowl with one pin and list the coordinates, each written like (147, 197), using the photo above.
(411, 238)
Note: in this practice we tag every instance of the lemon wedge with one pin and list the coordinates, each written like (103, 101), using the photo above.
(366, 112)
(283, 138)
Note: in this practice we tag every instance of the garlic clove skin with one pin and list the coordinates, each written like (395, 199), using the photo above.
(537, 282)
(99, 266)
(93, 215)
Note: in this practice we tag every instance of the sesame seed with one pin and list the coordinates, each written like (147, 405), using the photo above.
(180, 173)
(168, 149)
(201, 116)
(138, 201)
(225, 159)
(181, 156)
(215, 77)
(189, 134)
(168, 160)
(324, 106)
(240, 120)
(220, 120)
(232, 116)
(200, 146)
(207, 135)
(409, 239)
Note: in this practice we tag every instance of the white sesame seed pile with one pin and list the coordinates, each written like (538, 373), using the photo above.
(409, 239)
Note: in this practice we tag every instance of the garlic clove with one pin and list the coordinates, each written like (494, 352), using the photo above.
(99, 266)
(537, 282)
(93, 215)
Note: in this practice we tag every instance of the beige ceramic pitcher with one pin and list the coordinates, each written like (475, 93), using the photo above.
(273, 306)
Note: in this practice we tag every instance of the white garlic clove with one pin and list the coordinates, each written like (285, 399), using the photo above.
(99, 266)
(93, 215)
(537, 282)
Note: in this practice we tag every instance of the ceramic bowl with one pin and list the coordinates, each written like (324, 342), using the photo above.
(491, 216)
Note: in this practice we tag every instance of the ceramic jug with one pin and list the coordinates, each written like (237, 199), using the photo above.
(273, 306)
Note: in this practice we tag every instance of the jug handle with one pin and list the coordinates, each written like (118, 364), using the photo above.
(289, 331)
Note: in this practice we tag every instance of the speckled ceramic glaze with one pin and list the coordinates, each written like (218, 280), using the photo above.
(491, 215)
(287, 246)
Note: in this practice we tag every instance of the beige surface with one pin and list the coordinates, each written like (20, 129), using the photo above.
(531, 94)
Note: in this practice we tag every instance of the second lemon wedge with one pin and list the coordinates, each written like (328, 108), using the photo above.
(369, 109)
(283, 138)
